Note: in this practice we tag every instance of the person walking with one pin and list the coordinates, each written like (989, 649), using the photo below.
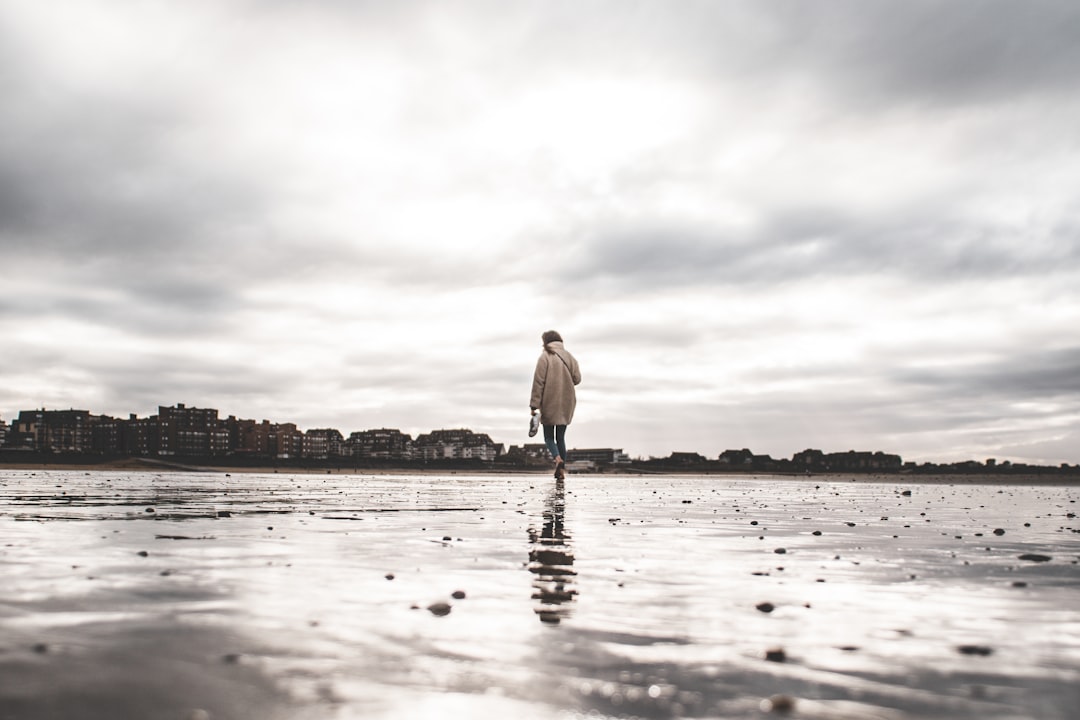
(553, 395)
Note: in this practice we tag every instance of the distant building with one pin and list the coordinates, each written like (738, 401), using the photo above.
(3, 432)
(855, 461)
(381, 444)
(460, 444)
(107, 435)
(59, 431)
(191, 432)
(599, 456)
(809, 460)
(266, 439)
(315, 446)
(141, 435)
(330, 441)
(249, 437)
(686, 458)
(285, 441)
(851, 461)
(737, 458)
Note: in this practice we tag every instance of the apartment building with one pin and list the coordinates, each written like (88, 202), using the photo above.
(381, 444)
(460, 444)
(315, 446)
(599, 456)
(52, 431)
(335, 443)
(846, 461)
(191, 432)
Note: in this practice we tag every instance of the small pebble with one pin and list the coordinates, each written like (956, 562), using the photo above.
(765, 607)
(776, 655)
(778, 704)
(458, 595)
(1035, 557)
(975, 650)
(439, 609)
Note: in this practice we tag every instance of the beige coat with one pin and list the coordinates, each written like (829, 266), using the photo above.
(553, 392)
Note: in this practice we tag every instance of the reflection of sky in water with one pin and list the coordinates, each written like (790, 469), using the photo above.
(647, 591)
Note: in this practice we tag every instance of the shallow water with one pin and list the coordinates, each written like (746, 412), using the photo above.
(191, 596)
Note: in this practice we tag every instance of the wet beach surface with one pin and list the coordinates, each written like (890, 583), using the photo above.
(205, 596)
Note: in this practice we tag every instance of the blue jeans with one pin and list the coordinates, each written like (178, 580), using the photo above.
(555, 439)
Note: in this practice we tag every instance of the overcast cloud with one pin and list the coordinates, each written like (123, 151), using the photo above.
(760, 224)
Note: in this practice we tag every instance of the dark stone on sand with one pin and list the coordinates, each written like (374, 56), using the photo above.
(781, 704)
(975, 650)
(143, 553)
(458, 594)
(776, 655)
(1035, 557)
(389, 576)
(439, 609)
(224, 513)
(447, 538)
(851, 524)
(1019, 584)
(753, 522)
(41, 648)
(780, 551)
(150, 510)
(906, 493)
(765, 607)
(816, 532)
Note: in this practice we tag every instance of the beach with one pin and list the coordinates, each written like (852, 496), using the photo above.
(217, 595)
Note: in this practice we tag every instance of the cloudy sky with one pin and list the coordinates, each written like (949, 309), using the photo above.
(764, 224)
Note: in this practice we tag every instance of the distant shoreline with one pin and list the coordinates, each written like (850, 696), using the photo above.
(150, 465)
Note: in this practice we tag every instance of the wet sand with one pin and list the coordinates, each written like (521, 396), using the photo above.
(191, 596)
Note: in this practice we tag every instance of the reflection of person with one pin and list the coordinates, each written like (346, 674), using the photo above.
(551, 560)
(554, 396)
